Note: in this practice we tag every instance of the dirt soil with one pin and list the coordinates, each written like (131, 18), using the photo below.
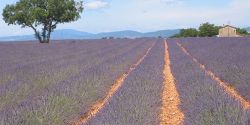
(97, 106)
(170, 111)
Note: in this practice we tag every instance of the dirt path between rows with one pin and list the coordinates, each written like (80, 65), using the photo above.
(97, 106)
(230, 90)
(170, 111)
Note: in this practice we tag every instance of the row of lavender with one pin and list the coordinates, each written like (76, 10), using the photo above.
(16, 56)
(31, 77)
(228, 58)
(138, 101)
(24, 59)
(203, 101)
(62, 82)
(44, 74)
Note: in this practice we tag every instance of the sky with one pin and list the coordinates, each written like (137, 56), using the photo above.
(147, 15)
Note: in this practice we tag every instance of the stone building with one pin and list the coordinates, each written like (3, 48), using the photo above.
(228, 31)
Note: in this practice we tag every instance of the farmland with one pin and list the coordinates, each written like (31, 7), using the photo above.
(146, 81)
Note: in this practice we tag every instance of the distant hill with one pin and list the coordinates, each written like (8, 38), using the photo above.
(74, 34)
(70, 34)
(248, 29)
(120, 34)
(163, 33)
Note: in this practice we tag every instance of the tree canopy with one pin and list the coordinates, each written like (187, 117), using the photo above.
(208, 30)
(205, 30)
(191, 32)
(43, 14)
(242, 31)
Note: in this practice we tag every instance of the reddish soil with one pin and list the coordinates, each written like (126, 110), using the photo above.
(170, 111)
(97, 106)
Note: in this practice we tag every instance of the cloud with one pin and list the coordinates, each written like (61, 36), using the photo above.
(240, 4)
(171, 2)
(149, 15)
(156, 15)
(166, 2)
(98, 4)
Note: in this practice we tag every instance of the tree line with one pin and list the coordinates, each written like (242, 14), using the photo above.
(205, 30)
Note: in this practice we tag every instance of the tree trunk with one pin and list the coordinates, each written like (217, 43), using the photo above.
(44, 37)
(49, 31)
(44, 33)
(48, 37)
(37, 34)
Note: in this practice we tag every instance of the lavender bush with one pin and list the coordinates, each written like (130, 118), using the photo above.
(228, 58)
(138, 101)
(55, 98)
(49, 71)
(203, 101)
(57, 83)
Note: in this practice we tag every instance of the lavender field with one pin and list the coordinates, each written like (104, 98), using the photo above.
(229, 58)
(138, 102)
(203, 101)
(60, 81)
(64, 82)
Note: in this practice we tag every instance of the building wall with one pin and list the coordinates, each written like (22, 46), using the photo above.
(228, 32)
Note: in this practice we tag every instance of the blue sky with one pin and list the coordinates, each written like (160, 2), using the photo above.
(148, 15)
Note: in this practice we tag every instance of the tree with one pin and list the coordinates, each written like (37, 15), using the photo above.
(43, 14)
(191, 32)
(208, 30)
(242, 31)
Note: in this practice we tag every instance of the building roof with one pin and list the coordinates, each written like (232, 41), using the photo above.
(229, 26)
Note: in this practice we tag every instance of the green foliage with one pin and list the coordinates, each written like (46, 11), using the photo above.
(208, 30)
(205, 30)
(191, 32)
(42, 13)
(242, 31)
